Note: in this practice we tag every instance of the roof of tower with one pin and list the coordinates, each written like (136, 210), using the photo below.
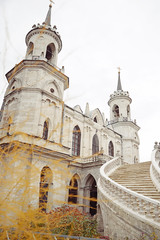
(119, 92)
(119, 85)
(48, 17)
(46, 26)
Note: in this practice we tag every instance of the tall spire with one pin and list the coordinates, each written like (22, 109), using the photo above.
(48, 17)
(119, 85)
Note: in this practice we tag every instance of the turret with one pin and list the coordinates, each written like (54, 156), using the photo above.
(119, 103)
(120, 121)
(44, 42)
(33, 102)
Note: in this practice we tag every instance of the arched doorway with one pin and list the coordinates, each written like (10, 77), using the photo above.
(93, 198)
(73, 190)
(90, 194)
(45, 184)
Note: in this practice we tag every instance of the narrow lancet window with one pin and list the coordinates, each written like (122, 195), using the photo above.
(111, 149)
(95, 144)
(76, 141)
(45, 130)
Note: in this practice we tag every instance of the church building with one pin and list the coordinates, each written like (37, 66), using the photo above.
(51, 153)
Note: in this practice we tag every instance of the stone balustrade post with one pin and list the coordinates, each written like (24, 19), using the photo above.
(156, 215)
(141, 206)
(135, 204)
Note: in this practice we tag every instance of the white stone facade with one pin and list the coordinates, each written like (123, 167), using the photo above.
(35, 120)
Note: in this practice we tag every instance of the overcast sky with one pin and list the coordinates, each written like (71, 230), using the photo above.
(98, 36)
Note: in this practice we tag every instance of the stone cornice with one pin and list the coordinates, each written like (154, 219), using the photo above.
(125, 123)
(44, 92)
(38, 64)
(37, 150)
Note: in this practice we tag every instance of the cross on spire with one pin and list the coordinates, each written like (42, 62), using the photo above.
(51, 2)
(48, 17)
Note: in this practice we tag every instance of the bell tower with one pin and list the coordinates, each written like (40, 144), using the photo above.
(33, 102)
(120, 103)
(120, 121)
(44, 42)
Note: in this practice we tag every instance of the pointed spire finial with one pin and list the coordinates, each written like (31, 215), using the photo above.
(48, 17)
(119, 86)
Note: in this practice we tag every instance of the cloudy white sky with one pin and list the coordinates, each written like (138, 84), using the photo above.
(98, 36)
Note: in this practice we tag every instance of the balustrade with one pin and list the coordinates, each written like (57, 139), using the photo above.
(145, 207)
(154, 169)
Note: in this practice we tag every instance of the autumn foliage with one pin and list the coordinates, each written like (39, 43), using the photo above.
(63, 220)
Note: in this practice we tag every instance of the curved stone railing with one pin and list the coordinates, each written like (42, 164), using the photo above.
(155, 169)
(136, 204)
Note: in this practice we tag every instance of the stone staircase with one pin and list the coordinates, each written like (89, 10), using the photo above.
(136, 177)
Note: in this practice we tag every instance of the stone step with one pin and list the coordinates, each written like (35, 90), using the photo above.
(133, 183)
(136, 177)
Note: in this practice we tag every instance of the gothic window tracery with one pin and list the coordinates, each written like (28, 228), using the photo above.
(76, 140)
(111, 149)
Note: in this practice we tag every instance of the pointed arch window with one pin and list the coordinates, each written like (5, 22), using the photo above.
(111, 149)
(95, 119)
(45, 130)
(95, 144)
(76, 141)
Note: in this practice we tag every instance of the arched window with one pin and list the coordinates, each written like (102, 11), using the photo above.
(76, 141)
(95, 119)
(45, 130)
(116, 111)
(73, 190)
(111, 149)
(45, 183)
(95, 144)
(50, 51)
